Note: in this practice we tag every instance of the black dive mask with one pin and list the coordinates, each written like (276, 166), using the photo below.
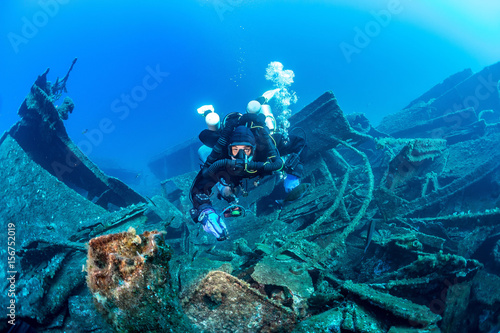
(241, 155)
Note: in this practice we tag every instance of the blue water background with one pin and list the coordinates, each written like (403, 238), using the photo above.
(216, 52)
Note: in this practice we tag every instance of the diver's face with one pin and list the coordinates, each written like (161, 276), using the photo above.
(246, 149)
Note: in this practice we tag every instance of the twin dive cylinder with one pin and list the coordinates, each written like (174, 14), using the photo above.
(213, 123)
(213, 120)
(265, 109)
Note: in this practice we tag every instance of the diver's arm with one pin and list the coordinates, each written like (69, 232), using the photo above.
(296, 149)
(202, 211)
(201, 190)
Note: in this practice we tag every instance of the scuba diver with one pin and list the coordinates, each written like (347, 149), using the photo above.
(242, 147)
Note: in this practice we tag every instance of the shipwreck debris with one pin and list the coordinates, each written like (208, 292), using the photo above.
(42, 135)
(128, 276)
(435, 248)
(223, 303)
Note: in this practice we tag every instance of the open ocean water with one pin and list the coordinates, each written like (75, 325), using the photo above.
(147, 66)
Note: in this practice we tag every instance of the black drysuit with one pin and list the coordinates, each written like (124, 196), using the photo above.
(268, 151)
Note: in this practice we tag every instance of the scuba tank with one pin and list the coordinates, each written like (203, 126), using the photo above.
(255, 107)
(212, 119)
(270, 121)
(223, 134)
(203, 153)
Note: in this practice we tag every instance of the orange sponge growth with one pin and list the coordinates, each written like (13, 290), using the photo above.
(129, 278)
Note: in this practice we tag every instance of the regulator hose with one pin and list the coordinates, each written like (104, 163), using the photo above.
(229, 164)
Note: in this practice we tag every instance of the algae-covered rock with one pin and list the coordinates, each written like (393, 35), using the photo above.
(224, 303)
(326, 322)
(289, 273)
(485, 288)
(457, 300)
(496, 253)
(396, 329)
(347, 318)
(128, 275)
(83, 317)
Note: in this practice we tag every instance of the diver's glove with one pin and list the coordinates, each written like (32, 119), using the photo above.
(291, 182)
(213, 223)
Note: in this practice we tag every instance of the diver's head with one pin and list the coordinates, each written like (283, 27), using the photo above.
(242, 143)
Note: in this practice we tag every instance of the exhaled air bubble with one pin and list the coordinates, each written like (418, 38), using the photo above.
(282, 79)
